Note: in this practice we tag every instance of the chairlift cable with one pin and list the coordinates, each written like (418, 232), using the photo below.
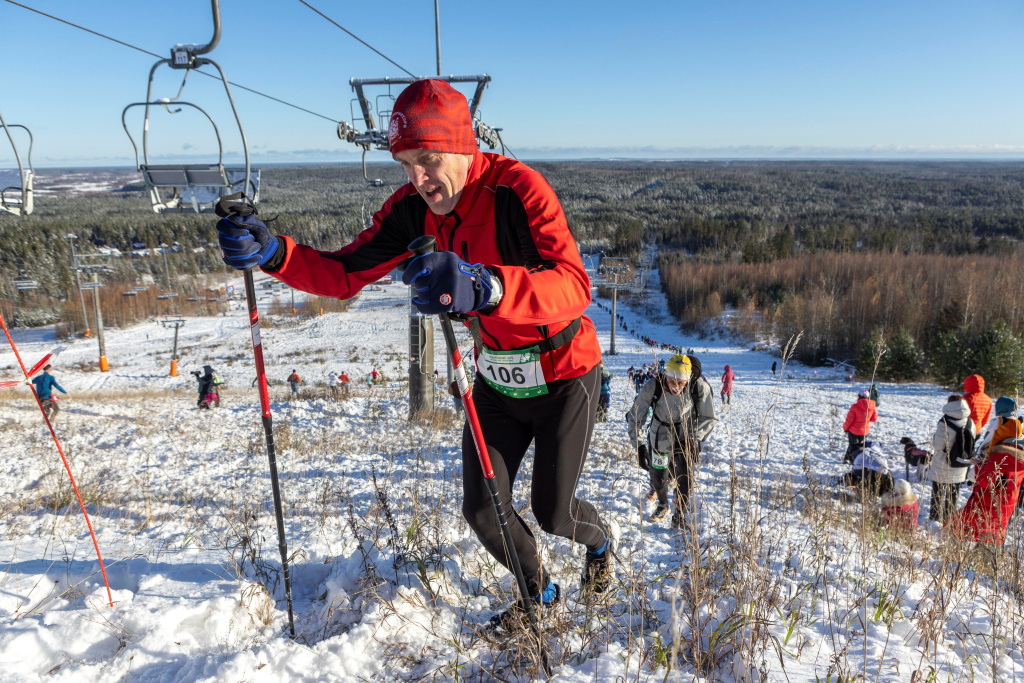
(153, 54)
(356, 37)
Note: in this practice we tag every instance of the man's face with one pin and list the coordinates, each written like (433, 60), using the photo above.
(675, 386)
(439, 177)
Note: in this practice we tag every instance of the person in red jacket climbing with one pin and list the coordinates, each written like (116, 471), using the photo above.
(508, 265)
(858, 423)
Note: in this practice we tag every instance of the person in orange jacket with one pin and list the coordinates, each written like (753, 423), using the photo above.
(506, 262)
(858, 422)
(978, 400)
(294, 381)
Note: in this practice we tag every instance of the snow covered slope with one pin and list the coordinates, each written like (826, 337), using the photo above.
(388, 581)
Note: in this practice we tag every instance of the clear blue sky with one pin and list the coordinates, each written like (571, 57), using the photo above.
(681, 79)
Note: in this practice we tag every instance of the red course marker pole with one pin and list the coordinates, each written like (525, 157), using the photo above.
(60, 450)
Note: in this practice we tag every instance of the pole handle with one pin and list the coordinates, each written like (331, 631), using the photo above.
(425, 244)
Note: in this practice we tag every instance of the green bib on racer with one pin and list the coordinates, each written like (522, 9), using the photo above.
(513, 373)
(658, 460)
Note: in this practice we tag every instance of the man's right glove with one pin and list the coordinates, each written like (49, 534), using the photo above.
(643, 457)
(245, 241)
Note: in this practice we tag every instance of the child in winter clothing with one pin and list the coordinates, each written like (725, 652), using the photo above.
(679, 425)
(870, 471)
(899, 506)
(952, 444)
(858, 423)
(727, 379)
(997, 490)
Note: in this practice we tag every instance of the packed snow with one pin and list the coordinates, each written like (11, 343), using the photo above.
(388, 582)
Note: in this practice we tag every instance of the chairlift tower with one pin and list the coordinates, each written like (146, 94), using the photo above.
(615, 267)
(176, 324)
(94, 265)
(78, 279)
(22, 204)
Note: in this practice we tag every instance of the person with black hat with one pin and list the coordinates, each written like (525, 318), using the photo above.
(507, 266)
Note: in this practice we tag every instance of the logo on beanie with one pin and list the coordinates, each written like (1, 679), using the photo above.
(445, 299)
(394, 133)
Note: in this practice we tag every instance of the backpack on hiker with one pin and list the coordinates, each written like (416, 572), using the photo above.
(960, 450)
(696, 376)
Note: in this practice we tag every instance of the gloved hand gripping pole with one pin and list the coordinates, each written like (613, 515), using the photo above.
(426, 245)
(236, 205)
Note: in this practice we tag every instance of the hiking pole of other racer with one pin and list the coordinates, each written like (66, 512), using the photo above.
(237, 205)
(425, 245)
(56, 442)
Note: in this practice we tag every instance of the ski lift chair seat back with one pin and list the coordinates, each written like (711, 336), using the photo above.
(193, 188)
(16, 185)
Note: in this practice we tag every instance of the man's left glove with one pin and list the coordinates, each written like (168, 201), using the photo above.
(245, 241)
(444, 283)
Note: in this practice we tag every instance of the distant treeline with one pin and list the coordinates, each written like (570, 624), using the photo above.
(930, 314)
(754, 212)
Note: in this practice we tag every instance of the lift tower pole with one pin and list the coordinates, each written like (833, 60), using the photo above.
(99, 323)
(437, 35)
(613, 267)
(78, 279)
(96, 264)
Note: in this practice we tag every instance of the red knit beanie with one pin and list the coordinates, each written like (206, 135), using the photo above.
(430, 114)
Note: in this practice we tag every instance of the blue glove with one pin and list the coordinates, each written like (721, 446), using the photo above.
(444, 283)
(245, 241)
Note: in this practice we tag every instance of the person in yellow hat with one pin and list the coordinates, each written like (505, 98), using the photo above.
(682, 408)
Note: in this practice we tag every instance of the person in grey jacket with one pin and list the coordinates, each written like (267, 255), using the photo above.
(682, 408)
(952, 445)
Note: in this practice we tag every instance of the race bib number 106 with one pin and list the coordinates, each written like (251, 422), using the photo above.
(514, 373)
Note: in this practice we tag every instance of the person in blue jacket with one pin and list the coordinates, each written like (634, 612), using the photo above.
(45, 384)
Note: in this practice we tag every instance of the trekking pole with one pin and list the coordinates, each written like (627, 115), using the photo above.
(60, 450)
(426, 245)
(232, 206)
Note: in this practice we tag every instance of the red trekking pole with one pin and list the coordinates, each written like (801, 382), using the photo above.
(426, 245)
(231, 206)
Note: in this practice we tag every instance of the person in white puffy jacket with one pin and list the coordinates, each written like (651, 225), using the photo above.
(952, 446)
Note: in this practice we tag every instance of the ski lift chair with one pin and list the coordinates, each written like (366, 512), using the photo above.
(191, 187)
(17, 199)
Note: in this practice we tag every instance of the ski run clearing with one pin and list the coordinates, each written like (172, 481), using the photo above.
(389, 583)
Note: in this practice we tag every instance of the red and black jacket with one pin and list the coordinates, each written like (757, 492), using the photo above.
(508, 218)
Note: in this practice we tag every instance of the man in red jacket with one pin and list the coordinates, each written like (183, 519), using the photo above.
(858, 422)
(509, 265)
